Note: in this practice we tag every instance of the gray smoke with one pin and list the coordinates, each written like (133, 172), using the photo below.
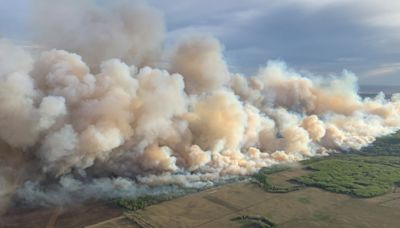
(92, 119)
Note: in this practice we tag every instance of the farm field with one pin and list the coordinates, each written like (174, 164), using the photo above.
(308, 207)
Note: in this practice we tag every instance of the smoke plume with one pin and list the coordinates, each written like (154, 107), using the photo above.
(97, 115)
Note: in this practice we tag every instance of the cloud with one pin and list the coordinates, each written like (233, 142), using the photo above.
(384, 69)
(309, 34)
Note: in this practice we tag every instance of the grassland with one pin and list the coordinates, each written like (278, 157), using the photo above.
(361, 176)
(357, 176)
(370, 172)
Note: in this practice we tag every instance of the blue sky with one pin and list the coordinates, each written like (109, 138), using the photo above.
(320, 36)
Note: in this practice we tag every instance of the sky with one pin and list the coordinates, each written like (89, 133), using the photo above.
(318, 36)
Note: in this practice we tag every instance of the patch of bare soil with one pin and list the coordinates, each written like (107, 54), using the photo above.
(76, 216)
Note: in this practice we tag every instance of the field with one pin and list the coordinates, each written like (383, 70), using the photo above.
(354, 175)
(372, 171)
(308, 207)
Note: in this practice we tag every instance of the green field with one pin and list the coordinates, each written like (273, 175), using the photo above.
(370, 172)
(358, 176)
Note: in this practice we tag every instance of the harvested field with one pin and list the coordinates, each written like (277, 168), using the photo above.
(309, 207)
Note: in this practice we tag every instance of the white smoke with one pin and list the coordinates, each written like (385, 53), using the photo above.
(129, 30)
(97, 123)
